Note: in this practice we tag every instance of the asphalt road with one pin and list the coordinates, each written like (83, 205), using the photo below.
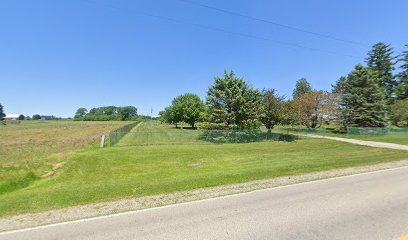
(366, 206)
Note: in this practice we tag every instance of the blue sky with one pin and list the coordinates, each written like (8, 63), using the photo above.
(56, 56)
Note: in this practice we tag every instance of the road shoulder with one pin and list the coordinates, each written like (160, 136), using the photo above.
(133, 204)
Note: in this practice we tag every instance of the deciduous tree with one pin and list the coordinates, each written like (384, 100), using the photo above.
(80, 114)
(127, 112)
(188, 108)
(316, 108)
(399, 113)
(302, 87)
(272, 111)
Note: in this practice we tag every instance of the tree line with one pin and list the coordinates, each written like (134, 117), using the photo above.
(107, 113)
(368, 96)
(22, 117)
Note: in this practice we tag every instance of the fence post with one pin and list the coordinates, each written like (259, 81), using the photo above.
(102, 141)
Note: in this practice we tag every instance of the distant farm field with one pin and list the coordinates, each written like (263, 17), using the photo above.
(31, 149)
(96, 175)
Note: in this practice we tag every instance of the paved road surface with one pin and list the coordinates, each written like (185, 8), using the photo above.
(366, 206)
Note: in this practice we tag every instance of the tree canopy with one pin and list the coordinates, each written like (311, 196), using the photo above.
(302, 87)
(36, 117)
(2, 114)
(231, 101)
(315, 108)
(107, 113)
(380, 59)
(80, 113)
(188, 108)
(362, 99)
(399, 112)
(272, 111)
(401, 90)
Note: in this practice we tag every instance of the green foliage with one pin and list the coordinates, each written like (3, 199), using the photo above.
(36, 117)
(302, 87)
(272, 111)
(107, 113)
(97, 175)
(338, 87)
(80, 114)
(21, 117)
(18, 182)
(187, 108)
(232, 101)
(2, 114)
(399, 113)
(169, 115)
(380, 59)
(401, 90)
(127, 112)
(362, 100)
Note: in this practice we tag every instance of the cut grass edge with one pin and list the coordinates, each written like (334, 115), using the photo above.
(93, 211)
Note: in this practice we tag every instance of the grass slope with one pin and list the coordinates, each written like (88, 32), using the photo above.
(30, 149)
(97, 175)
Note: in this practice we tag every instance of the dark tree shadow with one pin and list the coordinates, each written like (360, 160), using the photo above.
(243, 136)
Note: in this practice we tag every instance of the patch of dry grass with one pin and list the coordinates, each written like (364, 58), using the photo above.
(37, 146)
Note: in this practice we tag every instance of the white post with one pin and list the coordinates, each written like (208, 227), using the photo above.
(102, 141)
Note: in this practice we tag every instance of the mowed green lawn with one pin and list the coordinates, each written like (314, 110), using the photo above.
(97, 175)
(398, 138)
(391, 137)
(154, 133)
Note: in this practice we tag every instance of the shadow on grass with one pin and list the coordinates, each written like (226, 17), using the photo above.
(245, 136)
(18, 183)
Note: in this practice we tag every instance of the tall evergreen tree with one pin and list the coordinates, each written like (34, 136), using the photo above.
(362, 100)
(302, 87)
(232, 101)
(338, 87)
(402, 89)
(380, 59)
(2, 114)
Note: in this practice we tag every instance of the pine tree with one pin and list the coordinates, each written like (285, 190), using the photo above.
(402, 88)
(380, 59)
(2, 115)
(338, 87)
(302, 87)
(231, 101)
(362, 100)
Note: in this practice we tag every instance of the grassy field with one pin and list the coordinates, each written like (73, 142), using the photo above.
(398, 138)
(31, 149)
(391, 137)
(96, 175)
(154, 133)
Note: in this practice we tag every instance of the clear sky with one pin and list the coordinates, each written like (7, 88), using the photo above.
(56, 56)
